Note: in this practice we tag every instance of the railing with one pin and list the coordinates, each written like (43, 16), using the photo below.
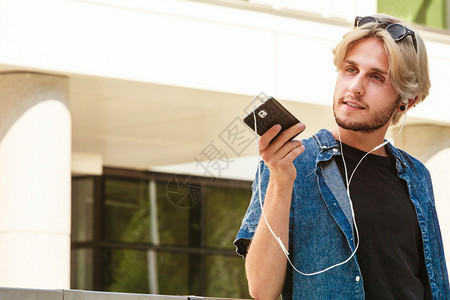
(34, 294)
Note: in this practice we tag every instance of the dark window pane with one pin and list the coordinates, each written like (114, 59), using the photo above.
(225, 277)
(183, 217)
(127, 210)
(179, 214)
(226, 207)
(82, 209)
(179, 274)
(81, 269)
(136, 271)
(124, 270)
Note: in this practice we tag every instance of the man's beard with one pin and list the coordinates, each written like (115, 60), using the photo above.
(376, 121)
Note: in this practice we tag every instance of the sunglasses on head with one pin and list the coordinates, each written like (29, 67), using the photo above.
(397, 31)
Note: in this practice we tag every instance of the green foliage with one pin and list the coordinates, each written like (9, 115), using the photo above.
(431, 13)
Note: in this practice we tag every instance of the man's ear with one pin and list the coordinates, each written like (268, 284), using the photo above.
(408, 103)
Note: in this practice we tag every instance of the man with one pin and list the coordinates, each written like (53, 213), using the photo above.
(392, 247)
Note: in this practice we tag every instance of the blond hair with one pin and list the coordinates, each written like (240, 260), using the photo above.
(408, 68)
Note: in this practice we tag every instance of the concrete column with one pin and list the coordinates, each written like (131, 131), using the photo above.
(35, 180)
(431, 144)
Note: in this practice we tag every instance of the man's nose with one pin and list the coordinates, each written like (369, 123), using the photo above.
(357, 85)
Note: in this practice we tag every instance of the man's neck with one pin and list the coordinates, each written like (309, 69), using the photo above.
(364, 141)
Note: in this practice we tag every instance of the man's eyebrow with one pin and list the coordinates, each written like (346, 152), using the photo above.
(377, 70)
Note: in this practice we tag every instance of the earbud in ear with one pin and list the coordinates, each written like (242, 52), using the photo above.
(404, 105)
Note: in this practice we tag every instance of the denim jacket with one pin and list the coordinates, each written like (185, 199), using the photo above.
(321, 226)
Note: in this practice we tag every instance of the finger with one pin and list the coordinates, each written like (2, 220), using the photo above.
(289, 157)
(286, 148)
(288, 134)
(268, 136)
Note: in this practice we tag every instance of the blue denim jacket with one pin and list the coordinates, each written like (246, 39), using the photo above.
(321, 227)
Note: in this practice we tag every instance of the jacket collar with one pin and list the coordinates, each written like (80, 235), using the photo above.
(401, 163)
(326, 142)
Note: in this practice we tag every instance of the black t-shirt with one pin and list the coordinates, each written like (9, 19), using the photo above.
(390, 252)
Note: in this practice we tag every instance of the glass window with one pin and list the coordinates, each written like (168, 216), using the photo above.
(124, 270)
(127, 210)
(432, 13)
(179, 214)
(226, 277)
(81, 269)
(179, 273)
(225, 208)
(129, 271)
(158, 233)
(82, 209)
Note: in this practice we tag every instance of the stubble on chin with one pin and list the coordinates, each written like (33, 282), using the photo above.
(375, 121)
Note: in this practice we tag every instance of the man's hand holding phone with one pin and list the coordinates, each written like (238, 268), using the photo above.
(278, 150)
(277, 127)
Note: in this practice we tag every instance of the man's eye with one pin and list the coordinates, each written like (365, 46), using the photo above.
(378, 78)
(351, 70)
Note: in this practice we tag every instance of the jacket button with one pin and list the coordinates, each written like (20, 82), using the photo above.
(357, 278)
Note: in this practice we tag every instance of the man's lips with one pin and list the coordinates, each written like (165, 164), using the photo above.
(352, 103)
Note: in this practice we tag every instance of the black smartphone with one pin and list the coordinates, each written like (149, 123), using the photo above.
(268, 114)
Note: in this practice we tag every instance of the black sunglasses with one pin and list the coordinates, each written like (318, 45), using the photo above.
(397, 31)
